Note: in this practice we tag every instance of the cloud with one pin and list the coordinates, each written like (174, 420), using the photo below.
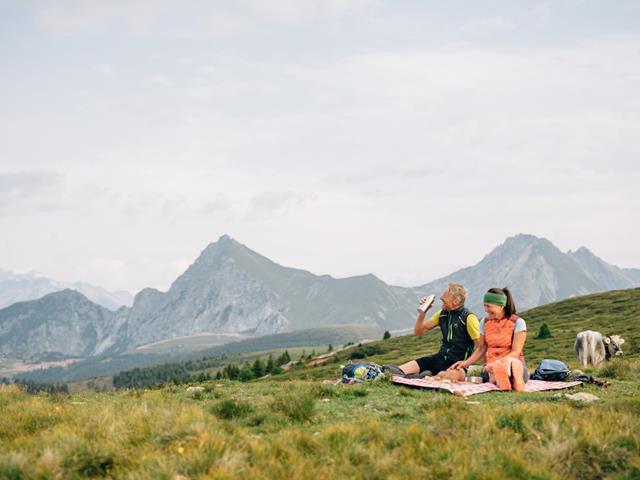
(27, 192)
(488, 25)
(199, 18)
(73, 16)
(386, 174)
(110, 72)
(218, 203)
(295, 11)
(278, 201)
(24, 183)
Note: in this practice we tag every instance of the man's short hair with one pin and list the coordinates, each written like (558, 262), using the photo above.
(458, 292)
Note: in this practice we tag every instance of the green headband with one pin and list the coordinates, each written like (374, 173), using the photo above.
(495, 299)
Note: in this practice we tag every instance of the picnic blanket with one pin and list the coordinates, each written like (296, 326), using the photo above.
(467, 389)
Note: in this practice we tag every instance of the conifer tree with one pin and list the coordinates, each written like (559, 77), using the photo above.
(270, 364)
(258, 368)
(544, 332)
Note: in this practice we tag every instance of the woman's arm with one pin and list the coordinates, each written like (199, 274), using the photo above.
(518, 344)
(478, 352)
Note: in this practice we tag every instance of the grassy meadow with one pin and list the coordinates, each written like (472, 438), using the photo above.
(297, 426)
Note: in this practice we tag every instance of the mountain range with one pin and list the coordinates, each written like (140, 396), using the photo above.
(232, 289)
(537, 272)
(21, 287)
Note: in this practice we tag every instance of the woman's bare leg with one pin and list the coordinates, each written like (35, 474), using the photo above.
(516, 370)
(499, 374)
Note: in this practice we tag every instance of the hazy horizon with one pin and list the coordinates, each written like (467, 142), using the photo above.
(340, 137)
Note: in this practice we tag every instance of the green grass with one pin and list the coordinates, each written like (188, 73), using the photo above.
(304, 428)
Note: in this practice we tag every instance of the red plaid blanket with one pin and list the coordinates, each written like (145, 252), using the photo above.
(466, 389)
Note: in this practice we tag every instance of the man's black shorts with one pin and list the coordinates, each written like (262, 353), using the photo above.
(434, 363)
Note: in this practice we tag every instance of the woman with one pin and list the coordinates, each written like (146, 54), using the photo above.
(502, 337)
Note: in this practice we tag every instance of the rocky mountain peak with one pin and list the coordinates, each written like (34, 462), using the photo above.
(225, 247)
(146, 294)
(521, 248)
(583, 252)
(521, 239)
(524, 240)
(67, 294)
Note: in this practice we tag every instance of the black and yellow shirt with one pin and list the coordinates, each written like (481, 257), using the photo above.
(460, 328)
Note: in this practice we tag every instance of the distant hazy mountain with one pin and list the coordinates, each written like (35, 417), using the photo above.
(60, 324)
(604, 274)
(537, 272)
(18, 287)
(232, 289)
(633, 273)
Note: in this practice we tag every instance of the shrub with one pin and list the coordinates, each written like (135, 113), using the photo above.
(246, 373)
(90, 462)
(544, 332)
(513, 422)
(230, 409)
(356, 354)
(323, 391)
(387, 335)
(364, 351)
(298, 407)
(615, 369)
(589, 459)
(354, 391)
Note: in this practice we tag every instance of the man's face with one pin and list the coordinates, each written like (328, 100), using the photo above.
(448, 303)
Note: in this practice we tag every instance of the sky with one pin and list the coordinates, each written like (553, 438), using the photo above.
(404, 139)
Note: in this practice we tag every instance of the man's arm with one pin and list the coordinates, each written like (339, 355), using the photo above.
(422, 325)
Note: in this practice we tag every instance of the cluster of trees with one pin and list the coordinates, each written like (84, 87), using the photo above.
(258, 369)
(150, 377)
(30, 386)
(193, 371)
(198, 370)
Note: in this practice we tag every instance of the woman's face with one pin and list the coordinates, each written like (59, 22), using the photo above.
(494, 311)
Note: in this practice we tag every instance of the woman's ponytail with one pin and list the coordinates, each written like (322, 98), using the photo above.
(510, 307)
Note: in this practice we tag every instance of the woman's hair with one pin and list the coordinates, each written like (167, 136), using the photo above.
(510, 307)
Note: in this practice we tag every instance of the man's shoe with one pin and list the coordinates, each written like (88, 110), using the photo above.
(423, 374)
(393, 370)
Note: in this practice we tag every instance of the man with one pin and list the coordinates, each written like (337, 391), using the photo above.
(460, 335)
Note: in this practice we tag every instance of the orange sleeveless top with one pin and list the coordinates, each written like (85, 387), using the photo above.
(499, 337)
